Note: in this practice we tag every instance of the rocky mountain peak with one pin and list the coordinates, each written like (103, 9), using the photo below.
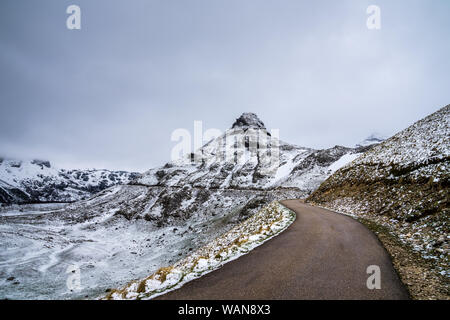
(248, 120)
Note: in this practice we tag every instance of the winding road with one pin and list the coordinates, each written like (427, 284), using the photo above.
(322, 255)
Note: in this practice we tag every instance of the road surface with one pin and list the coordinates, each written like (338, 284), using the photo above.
(322, 255)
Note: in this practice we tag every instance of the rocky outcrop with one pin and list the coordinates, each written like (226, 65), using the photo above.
(248, 120)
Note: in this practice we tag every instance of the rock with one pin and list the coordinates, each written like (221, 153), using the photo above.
(41, 163)
(248, 120)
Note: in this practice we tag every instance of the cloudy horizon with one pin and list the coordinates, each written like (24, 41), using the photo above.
(110, 95)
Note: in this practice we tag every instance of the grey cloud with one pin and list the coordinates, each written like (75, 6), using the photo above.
(110, 94)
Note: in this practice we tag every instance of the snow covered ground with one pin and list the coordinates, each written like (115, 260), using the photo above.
(261, 227)
(121, 234)
(36, 251)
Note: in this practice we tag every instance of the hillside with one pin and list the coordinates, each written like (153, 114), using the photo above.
(403, 184)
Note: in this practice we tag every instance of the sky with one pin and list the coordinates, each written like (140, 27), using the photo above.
(110, 94)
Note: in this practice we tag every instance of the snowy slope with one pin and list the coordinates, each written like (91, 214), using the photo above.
(39, 181)
(402, 183)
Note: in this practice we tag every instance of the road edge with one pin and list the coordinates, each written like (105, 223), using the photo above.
(409, 265)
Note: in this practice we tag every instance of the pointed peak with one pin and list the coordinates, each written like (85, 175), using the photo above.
(248, 120)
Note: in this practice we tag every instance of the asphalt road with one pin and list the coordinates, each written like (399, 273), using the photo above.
(322, 255)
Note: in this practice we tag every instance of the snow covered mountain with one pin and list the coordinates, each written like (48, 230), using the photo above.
(38, 181)
(248, 157)
(237, 172)
(239, 159)
(130, 231)
(416, 156)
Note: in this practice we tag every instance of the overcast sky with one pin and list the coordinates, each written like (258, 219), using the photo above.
(110, 95)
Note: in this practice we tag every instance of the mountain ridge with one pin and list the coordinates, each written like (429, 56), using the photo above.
(38, 181)
(299, 168)
(243, 168)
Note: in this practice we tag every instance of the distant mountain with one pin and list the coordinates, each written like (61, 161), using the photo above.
(38, 181)
(403, 181)
(374, 138)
